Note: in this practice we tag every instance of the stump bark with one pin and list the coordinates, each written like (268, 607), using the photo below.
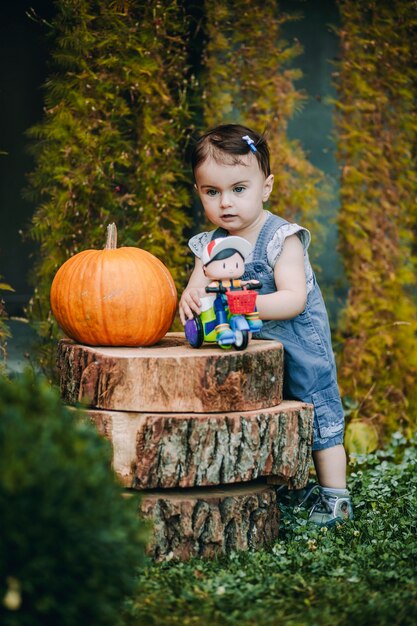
(211, 521)
(198, 434)
(171, 450)
(172, 377)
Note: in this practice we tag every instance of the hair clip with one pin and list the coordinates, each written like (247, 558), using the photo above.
(250, 143)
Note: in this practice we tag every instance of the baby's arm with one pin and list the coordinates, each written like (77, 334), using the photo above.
(190, 299)
(290, 298)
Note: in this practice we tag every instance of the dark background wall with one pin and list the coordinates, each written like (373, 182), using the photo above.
(23, 57)
(23, 70)
(313, 126)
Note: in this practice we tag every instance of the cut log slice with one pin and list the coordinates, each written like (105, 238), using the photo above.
(172, 377)
(185, 450)
(212, 521)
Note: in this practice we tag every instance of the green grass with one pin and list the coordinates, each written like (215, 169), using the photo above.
(361, 573)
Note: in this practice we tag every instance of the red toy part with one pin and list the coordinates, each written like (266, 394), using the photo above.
(241, 302)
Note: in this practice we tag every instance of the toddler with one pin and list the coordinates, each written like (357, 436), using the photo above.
(233, 179)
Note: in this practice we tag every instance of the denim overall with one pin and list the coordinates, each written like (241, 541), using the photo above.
(309, 365)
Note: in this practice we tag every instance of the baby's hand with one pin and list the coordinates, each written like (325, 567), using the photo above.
(190, 302)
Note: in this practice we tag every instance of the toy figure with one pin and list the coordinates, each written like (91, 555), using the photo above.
(231, 315)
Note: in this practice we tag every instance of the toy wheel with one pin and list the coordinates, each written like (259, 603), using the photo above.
(194, 332)
(241, 339)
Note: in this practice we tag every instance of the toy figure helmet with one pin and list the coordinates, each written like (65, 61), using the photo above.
(224, 244)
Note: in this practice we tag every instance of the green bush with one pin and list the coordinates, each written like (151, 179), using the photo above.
(109, 147)
(70, 545)
(361, 573)
(377, 135)
(4, 329)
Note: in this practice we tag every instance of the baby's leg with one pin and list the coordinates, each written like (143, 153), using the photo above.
(333, 504)
(330, 465)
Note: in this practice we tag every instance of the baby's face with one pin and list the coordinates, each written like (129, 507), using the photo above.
(233, 195)
(232, 267)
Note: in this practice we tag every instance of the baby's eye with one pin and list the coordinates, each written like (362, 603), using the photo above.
(211, 192)
(239, 189)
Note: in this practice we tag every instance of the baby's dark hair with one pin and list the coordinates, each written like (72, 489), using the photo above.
(225, 144)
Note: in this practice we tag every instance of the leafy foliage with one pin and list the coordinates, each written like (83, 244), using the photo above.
(248, 80)
(360, 573)
(4, 329)
(118, 115)
(110, 145)
(70, 544)
(377, 130)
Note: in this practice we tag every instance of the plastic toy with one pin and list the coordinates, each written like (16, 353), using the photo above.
(229, 316)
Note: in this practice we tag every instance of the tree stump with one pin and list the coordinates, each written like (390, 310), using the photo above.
(170, 450)
(212, 521)
(172, 377)
(198, 433)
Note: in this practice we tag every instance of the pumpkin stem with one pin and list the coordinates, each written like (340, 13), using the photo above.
(111, 242)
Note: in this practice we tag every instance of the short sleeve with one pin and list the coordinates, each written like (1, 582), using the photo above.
(275, 246)
(199, 242)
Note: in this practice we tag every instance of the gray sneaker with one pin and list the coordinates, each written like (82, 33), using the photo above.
(332, 506)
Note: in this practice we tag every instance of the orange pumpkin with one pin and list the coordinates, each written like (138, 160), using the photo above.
(114, 297)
